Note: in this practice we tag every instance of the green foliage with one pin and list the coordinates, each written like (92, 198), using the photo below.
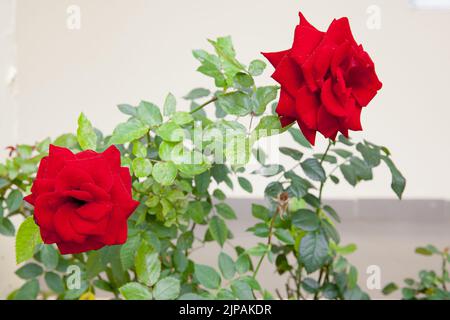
(180, 179)
(430, 284)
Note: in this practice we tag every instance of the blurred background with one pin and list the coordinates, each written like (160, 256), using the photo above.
(59, 58)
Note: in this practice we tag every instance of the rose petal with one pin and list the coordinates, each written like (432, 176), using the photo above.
(45, 207)
(289, 75)
(275, 57)
(112, 156)
(72, 177)
(56, 160)
(98, 169)
(330, 101)
(94, 211)
(309, 134)
(88, 228)
(74, 248)
(126, 178)
(326, 123)
(117, 229)
(306, 39)
(97, 193)
(307, 105)
(63, 226)
(339, 31)
(286, 105)
(78, 195)
(285, 121)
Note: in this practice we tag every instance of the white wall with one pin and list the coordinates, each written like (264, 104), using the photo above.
(129, 50)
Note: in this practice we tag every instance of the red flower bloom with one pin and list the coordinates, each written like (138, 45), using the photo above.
(326, 78)
(82, 201)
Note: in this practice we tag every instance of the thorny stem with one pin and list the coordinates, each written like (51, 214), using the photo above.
(269, 242)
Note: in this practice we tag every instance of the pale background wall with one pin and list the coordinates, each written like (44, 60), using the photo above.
(127, 50)
(140, 49)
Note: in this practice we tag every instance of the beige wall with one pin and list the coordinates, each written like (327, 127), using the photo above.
(129, 50)
(140, 49)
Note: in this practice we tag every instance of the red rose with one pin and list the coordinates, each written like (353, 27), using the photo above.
(326, 78)
(82, 201)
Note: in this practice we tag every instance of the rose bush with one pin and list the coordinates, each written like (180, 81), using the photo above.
(178, 176)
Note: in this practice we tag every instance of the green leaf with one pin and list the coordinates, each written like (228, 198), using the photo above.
(128, 251)
(342, 153)
(142, 167)
(207, 276)
(164, 173)
(244, 80)
(226, 266)
(235, 103)
(268, 126)
(191, 296)
(332, 213)
(29, 291)
(148, 265)
(361, 168)
(398, 180)
(139, 149)
(27, 239)
(167, 289)
(202, 182)
(181, 118)
(260, 212)
(127, 109)
(284, 236)
(170, 105)
(258, 250)
(298, 136)
(49, 256)
(197, 93)
(149, 114)
(86, 136)
(219, 195)
(180, 260)
(349, 174)
(6, 227)
(345, 250)
(135, 291)
(225, 211)
(313, 251)
(423, 251)
(128, 131)
(330, 231)
(264, 95)
(245, 184)
(242, 290)
(67, 140)
(218, 230)
(14, 200)
(95, 264)
(294, 154)
(170, 131)
(345, 140)
(256, 67)
(352, 277)
(54, 282)
(242, 264)
(29, 271)
(313, 169)
(389, 288)
(371, 155)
